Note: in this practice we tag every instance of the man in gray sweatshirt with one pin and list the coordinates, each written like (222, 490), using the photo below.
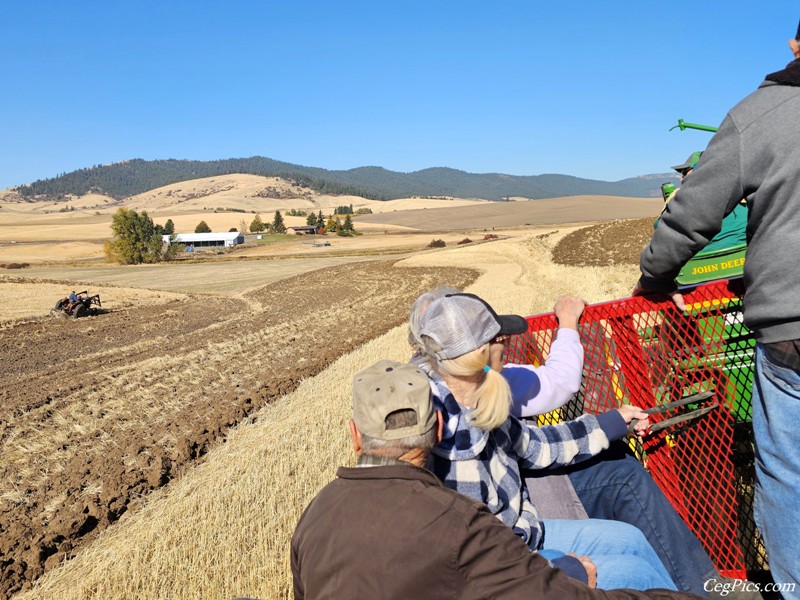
(755, 155)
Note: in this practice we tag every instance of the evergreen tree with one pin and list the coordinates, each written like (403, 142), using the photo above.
(173, 250)
(202, 227)
(277, 225)
(320, 219)
(135, 238)
(169, 227)
(348, 224)
(311, 219)
(257, 225)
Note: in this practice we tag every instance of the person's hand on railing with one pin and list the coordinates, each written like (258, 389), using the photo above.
(676, 296)
(568, 311)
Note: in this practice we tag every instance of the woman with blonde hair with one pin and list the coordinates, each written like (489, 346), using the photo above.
(612, 485)
(484, 447)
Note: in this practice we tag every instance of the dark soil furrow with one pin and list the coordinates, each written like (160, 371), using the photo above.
(131, 400)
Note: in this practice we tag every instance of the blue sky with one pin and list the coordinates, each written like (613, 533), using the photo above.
(522, 87)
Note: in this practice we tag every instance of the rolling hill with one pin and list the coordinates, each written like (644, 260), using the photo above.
(132, 177)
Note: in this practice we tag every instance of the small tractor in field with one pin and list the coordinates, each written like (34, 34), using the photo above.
(81, 305)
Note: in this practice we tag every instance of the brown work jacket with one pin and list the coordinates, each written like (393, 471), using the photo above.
(395, 532)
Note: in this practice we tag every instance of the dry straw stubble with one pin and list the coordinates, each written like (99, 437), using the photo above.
(224, 528)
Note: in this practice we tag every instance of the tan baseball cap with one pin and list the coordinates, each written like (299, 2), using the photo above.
(386, 387)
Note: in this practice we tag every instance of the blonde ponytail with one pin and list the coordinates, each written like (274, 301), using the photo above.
(492, 399)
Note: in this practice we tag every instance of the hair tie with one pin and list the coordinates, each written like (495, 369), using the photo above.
(487, 368)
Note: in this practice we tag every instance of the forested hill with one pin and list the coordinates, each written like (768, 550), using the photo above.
(124, 179)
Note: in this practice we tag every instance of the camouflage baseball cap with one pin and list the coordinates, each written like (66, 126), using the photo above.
(386, 387)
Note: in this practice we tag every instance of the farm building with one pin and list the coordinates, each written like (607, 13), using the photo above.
(208, 240)
(305, 229)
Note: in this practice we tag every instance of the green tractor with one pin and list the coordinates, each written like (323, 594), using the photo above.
(724, 256)
(725, 355)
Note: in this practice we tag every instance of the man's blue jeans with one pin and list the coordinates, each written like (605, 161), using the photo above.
(776, 419)
(623, 557)
(614, 485)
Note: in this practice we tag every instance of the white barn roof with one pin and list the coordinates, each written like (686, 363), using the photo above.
(227, 236)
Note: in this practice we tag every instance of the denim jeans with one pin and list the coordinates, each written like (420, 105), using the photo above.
(776, 418)
(614, 485)
(623, 557)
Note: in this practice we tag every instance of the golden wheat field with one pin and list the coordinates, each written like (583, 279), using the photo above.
(166, 446)
(71, 230)
(266, 371)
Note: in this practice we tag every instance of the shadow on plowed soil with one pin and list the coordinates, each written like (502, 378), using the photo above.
(97, 412)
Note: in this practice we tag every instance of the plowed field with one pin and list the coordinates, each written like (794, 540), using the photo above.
(605, 244)
(97, 412)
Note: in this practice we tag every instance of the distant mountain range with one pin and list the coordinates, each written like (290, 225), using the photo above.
(128, 178)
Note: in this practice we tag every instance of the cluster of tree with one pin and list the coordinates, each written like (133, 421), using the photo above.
(277, 225)
(257, 225)
(294, 212)
(318, 219)
(340, 227)
(138, 240)
(348, 210)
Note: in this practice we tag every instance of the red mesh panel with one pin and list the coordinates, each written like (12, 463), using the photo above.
(645, 352)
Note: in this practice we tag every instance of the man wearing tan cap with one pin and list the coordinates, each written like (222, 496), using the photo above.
(388, 528)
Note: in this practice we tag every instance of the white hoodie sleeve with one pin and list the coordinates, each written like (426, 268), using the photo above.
(538, 390)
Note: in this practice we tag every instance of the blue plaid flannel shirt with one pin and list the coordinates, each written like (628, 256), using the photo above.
(485, 465)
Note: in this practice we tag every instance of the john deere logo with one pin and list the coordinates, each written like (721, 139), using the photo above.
(720, 266)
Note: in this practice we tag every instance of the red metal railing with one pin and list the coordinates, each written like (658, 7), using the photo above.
(644, 351)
